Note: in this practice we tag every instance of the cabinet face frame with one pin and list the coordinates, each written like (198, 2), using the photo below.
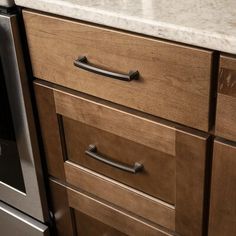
(223, 193)
(190, 148)
(226, 98)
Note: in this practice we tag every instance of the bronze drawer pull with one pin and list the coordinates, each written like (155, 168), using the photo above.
(82, 63)
(92, 152)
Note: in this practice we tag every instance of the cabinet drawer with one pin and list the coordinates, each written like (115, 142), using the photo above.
(226, 99)
(223, 192)
(173, 83)
(94, 217)
(71, 121)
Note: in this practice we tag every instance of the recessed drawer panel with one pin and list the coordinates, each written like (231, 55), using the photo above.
(226, 99)
(87, 145)
(173, 81)
(99, 146)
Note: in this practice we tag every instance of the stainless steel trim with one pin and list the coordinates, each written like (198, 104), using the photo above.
(12, 221)
(34, 201)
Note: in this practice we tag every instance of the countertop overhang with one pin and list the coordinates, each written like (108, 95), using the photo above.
(205, 23)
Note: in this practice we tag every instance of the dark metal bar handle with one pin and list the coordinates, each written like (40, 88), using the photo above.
(92, 152)
(82, 63)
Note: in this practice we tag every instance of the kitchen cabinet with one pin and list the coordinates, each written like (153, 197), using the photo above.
(128, 127)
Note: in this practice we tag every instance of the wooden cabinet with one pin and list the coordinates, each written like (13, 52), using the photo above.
(223, 191)
(174, 80)
(117, 165)
(169, 189)
(226, 99)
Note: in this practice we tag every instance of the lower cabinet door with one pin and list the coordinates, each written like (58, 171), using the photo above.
(13, 222)
(77, 213)
(151, 168)
(223, 190)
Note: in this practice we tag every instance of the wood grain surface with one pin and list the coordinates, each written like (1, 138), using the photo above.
(174, 79)
(121, 195)
(112, 120)
(226, 99)
(157, 178)
(111, 216)
(186, 175)
(223, 191)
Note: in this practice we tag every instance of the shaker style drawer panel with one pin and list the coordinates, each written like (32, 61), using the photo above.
(157, 166)
(223, 191)
(94, 217)
(164, 79)
(226, 99)
(102, 146)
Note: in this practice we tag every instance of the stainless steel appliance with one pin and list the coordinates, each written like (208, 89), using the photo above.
(21, 180)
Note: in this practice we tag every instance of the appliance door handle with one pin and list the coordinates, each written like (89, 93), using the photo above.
(92, 152)
(83, 63)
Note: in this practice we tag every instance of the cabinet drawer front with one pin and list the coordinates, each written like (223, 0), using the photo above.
(174, 80)
(111, 216)
(82, 209)
(226, 99)
(223, 192)
(74, 120)
(121, 137)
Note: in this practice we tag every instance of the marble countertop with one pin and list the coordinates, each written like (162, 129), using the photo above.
(205, 23)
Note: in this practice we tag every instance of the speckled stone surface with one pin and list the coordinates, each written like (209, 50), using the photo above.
(205, 23)
(6, 3)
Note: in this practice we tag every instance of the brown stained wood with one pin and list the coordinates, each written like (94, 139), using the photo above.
(60, 209)
(174, 80)
(111, 216)
(121, 195)
(190, 153)
(107, 118)
(190, 178)
(70, 222)
(158, 176)
(227, 81)
(87, 226)
(226, 99)
(226, 117)
(223, 191)
(49, 130)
